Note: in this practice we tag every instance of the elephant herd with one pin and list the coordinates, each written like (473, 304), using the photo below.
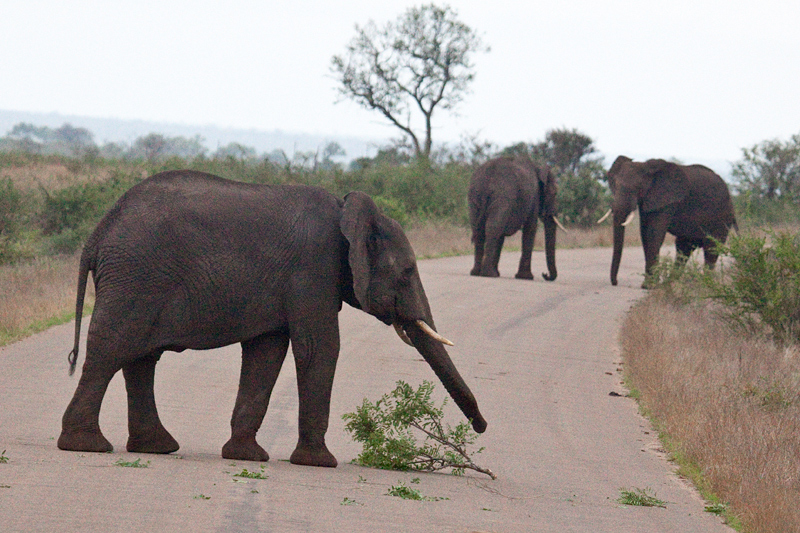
(690, 202)
(188, 260)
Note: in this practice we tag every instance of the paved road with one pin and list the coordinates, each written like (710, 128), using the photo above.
(540, 357)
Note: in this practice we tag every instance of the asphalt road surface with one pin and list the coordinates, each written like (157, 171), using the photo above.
(541, 359)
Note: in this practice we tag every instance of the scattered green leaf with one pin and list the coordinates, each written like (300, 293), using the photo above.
(640, 498)
(132, 464)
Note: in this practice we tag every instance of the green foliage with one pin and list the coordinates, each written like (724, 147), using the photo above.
(408, 493)
(385, 430)
(132, 464)
(3, 458)
(76, 206)
(757, 289)
(753, 209)
(582, 198)
(770, 169)
(252, 475)
(640, 498)
(11, 218)
(761, 287)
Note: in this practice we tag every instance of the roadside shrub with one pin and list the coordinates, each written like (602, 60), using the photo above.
(757, 289)
(11, 214)
(761, 287)
(79, 207)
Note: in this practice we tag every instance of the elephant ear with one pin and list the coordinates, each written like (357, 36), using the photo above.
(358, 225)
(669, 185)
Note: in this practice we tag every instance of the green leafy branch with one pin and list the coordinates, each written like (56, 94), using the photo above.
(384, 429)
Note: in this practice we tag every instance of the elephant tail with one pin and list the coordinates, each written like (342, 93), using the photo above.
(86, 265)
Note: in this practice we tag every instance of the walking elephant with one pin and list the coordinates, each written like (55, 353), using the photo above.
(190, 260)
(507, 194)
(690, 202)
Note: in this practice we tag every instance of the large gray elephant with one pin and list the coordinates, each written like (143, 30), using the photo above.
(690, 202)
(190, 260)
(505, 195)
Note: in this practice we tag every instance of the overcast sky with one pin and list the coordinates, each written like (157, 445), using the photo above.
(697, 80)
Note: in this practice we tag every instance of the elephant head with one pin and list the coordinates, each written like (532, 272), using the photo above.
(651, 186)
(386, 284)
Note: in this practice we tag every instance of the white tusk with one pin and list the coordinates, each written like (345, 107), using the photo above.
(560, 226)
(402, 334)
(432, 334)
(608, 214)
(629, 219)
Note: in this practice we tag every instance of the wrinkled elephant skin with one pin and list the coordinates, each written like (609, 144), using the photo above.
(505, 195)
(689, 201)
(187, 260)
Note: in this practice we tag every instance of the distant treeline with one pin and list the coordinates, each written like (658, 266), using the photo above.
(56, 217)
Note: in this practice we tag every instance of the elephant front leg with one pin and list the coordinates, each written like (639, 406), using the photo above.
(146, 434)
(315, 359)
(528, 236)
(653, 229)
(262, 359)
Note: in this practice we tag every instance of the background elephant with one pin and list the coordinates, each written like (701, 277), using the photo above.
(691, 202)
(190, 260)
(506, 194)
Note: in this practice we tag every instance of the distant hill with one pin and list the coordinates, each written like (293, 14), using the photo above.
(118, 130)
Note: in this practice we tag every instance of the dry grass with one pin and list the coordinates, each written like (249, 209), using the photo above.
(50, 176)
(37, 295)
(438, 239)
(728, 407)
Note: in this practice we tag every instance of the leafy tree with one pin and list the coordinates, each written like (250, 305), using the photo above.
(236, 151)
(418, 63)
(770, 170)
(331, 150)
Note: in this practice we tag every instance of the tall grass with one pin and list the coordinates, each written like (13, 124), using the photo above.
(37, 294)
(728, 406)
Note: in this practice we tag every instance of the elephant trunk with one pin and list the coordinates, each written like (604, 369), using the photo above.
(619, 242)
(550, 247)
(439, 360)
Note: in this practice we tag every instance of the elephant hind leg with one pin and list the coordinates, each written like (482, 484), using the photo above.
(146, 434)
(80, 425)
(262, 359)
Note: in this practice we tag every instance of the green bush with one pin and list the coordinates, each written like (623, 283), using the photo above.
(384, 430)
(11, 215)
(761, 286)
(79, 207)
(754, 210)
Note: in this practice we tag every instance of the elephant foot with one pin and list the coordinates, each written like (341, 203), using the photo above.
(244, 450)
(153, 442)
(486, 273)
(316, 457)
(475, 271)
(524, 275)
(84, 441)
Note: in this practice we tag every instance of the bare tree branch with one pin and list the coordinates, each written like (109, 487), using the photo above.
(423, 57)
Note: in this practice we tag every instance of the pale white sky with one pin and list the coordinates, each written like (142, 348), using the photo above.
(697, 80)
